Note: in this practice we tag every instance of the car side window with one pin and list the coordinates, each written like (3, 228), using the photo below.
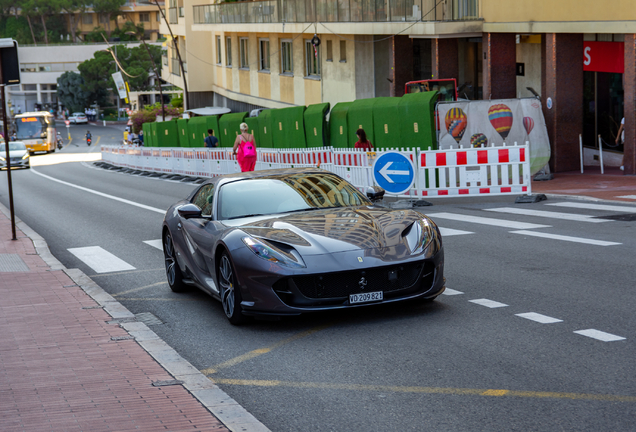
(204, 199)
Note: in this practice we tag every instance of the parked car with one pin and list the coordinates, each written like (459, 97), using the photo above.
(18, 153)
(78, 118)
(290, 241)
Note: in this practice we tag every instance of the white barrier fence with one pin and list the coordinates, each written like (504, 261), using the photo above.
(438, 173)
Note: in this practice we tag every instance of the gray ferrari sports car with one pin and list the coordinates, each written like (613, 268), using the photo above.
(290, 241)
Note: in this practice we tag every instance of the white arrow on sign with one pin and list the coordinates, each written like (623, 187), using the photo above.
(386, 172)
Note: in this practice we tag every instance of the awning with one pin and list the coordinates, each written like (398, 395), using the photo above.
(208, 111)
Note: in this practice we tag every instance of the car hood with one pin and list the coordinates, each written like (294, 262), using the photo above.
(14, 153)
(336, 230)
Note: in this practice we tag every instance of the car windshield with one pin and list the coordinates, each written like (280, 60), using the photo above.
(12, 146)
(30, 127)
(291, 193)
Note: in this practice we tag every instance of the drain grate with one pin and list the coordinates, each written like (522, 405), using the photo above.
(629, 217)
(12, 263)
(148, 318)
(166, 383)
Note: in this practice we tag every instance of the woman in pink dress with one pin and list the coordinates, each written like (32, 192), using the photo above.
(245, 149)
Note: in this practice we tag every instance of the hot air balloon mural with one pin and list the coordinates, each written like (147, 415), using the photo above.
(500, 118)
(478, 139)
(528, 123)
(456, 122)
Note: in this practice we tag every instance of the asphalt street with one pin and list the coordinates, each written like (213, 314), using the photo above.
(534, 333)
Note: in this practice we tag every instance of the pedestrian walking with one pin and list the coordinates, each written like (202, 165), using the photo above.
(620, 138)
(245, 149)
(363, 143)
(211, 140)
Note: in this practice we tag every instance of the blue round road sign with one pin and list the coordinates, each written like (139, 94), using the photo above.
(393, 172)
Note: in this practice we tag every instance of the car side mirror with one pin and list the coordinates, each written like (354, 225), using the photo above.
(189, 211)
(375, 193)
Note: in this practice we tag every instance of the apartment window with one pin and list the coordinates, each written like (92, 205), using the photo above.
(286, 57)
(264, 54)
(312, 59)
(228, 52)
(104, 19)
(158, 16)
(144, 17)
(329, 51)
(243, 54)
(218, 50)
(87, 19)
(29, 67)
(343, 51)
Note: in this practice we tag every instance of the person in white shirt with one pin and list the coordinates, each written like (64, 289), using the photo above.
(621, 136)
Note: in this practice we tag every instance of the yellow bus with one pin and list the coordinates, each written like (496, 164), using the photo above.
(37, 131)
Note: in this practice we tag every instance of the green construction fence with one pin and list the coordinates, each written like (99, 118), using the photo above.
(252, 125)
(153, 134)
(386, 123)
(289, 127)
(182, 127)
(416, 113)
(338, 126)
(229, 127)
(167, 134)
(197, 131)
(316, 130)
(264, 137)
(360, 116)
(147, 135)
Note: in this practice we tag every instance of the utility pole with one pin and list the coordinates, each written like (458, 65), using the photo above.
(7, 43)
(117, 70)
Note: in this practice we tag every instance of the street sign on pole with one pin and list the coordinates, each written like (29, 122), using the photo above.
(394, 173)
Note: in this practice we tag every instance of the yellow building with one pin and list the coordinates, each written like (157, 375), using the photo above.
(138, 13)
(260, 54)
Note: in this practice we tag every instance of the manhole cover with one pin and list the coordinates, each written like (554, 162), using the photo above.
(629, 217)
(148, 318)
(12, 263)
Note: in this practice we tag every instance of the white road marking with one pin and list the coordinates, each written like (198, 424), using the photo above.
(543, 319)
(447, 232)
(125, 201)
(486, 221)
(451, 292)
(100, 260)
(597, 334)
(627, 197)
(566, 238)
(548, 214)
(590, 206)
(488, 303)
(155, 243)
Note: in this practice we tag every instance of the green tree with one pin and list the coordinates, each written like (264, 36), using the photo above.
(109, 8)
(71, 7)
(70, 92)
(29, 10)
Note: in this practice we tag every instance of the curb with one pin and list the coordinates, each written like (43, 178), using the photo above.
(220, 404)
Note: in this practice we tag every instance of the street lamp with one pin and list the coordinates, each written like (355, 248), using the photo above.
(154, 68)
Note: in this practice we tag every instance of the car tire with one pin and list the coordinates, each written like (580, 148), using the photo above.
(230, 294)
(173, 272)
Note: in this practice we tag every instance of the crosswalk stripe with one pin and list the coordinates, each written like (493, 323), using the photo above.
(599, 335)
(543, 319)
(488, 303)
(590, 206)
(627, 197)
(486, 221)
(155, 243)
(447, 232)
(451, 292)
(566, 238)
(100, 260)
(548, 214)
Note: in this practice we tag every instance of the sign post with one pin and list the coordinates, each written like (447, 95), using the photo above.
(394, 173)
(68, 128)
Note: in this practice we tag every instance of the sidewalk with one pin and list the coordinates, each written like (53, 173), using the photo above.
(613, 185)
(73, 358)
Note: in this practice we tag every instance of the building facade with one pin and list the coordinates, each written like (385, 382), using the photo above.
(263, 54)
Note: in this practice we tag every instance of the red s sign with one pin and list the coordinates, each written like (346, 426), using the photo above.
(604, 57)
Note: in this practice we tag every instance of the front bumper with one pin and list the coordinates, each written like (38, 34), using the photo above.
(328, 280)
(16, 163)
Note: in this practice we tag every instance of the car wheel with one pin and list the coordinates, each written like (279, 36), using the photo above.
(230, 295)
(173, 273)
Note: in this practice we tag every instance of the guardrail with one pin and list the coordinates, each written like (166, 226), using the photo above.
(308, 11)
(437, 173)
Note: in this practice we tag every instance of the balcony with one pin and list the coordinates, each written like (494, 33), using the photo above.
(308, 11)
(172, 15)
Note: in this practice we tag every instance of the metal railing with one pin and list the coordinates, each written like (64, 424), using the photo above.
(307, 11)
(172, 16)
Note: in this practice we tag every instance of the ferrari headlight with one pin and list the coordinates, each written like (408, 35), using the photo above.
(420, 234)
(271, 253)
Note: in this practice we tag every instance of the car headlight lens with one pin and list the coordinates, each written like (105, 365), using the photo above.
(420, 234)
(2, 158)
(26, 156)
(274, 254)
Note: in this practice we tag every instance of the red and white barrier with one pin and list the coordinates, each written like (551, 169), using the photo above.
(438, 173)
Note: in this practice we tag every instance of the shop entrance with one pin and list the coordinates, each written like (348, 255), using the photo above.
(602, 109)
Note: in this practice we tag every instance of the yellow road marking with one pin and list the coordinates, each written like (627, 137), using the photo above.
(429, 390)
(257, 352)
(139, 289)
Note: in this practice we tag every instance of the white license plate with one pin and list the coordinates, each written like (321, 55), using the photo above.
(365, 297)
